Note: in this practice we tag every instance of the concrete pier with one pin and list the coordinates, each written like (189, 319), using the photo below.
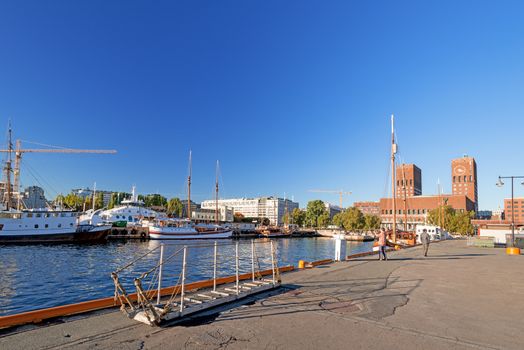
(457, 298)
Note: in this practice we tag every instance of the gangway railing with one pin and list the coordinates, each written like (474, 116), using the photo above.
(152, 308)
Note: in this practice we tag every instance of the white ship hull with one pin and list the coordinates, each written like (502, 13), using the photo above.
(188, 233)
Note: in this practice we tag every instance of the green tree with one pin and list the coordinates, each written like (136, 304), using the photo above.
(314, 210)
(452, 220)
(324, 220)
(99, 201)
(175, 207)
(371, 222)
(353, 219)
(298, 217)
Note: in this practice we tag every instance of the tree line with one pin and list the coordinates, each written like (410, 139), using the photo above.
(451, 220)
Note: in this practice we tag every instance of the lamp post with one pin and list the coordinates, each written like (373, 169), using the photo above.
(500, 183)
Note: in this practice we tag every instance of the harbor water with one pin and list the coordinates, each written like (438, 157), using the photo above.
(41, 276)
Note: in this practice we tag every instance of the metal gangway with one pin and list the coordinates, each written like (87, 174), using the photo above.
(154, 304)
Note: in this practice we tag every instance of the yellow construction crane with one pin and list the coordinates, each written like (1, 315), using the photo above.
(18, 158)
(340, 193)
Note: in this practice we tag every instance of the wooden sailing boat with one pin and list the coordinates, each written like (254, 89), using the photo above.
(397, 237)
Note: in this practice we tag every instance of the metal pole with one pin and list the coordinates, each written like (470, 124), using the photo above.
(272, 262)
(512, 215)
(215, 268)
(253, 260)
(182, 290)
(160, 267)
(237, 276)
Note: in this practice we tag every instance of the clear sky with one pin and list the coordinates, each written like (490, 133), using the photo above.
(288, 95)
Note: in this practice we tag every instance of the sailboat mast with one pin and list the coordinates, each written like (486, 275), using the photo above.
(189, 189)
(393, 178)
(216, 195)
(94, 196)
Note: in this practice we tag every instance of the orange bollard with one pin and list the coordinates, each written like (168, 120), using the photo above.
(513, 251)
(301, 264)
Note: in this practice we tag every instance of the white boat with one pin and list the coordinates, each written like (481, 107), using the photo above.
(39, 225)
(129, 213)
(185, 229)
(47, 226)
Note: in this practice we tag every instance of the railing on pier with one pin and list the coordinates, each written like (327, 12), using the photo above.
(149, 306)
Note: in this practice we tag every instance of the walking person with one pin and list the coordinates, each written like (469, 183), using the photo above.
(424, 238)
(382, 245)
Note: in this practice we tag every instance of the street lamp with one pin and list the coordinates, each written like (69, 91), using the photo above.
(500, 183)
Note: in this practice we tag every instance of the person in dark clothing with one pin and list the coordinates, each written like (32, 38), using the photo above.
(424, 238)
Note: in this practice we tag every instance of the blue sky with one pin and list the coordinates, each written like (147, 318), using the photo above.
(289, 95)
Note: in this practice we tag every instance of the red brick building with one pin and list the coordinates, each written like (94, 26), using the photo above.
(517, 207)
(409, 180)
(464, 178)
(370, 208)
(415, 207)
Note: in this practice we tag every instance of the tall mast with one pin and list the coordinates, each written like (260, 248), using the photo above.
(189, 189)
(94, 196)
(216, 195)
(393, 177)
(7, 169)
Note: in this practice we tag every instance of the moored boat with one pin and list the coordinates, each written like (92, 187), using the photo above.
(47, 226)
(185, 229)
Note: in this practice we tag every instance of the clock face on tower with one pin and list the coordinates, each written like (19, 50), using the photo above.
(460, 170)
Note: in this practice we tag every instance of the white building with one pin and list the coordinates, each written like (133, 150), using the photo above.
(34, 198)
(264, 207)
(332, 210)
(225, 214)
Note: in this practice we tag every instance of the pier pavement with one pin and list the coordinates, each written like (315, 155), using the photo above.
(457, 298)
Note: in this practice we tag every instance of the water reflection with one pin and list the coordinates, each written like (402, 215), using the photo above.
(40, 276)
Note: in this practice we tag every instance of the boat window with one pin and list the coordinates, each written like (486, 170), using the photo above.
(59, 225)
(29, 215)
(130, 218)
(55, 215)
(46, 215)
(71, 224)
(36, 226)
(38, 215)
(46, 225)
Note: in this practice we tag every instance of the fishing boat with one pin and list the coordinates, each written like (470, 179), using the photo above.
(269, 231)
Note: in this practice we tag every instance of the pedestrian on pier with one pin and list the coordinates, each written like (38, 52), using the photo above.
(382, 245)
(424, 238)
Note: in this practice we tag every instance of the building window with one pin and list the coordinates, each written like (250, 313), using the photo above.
(458, 177)
(454, 179)
(465, 178)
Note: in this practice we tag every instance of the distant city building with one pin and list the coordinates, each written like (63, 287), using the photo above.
(225, 214)
(409, 180)
(34, 198)
(464, 178)
(332, 210)
(87, 192)
(498, 214)
(368, 208)
(484, 214)
(263, 207)
(194, 207)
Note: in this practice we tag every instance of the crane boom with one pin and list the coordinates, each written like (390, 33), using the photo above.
(60, 150)
(341, 193)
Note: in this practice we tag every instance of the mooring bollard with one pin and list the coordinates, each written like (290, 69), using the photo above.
(301, 264)
(340, 248)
